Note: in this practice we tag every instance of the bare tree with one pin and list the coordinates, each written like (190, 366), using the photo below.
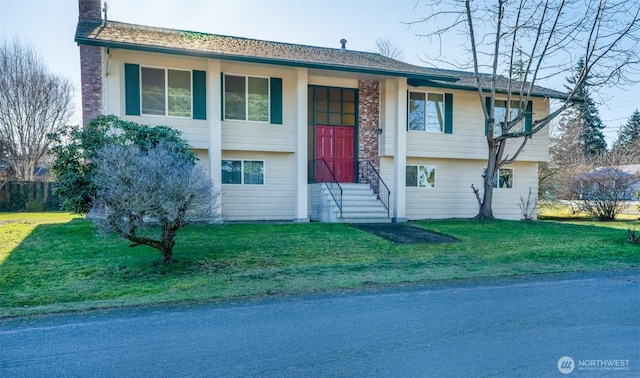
(518, 44)
(148, 196)
(33, 104)
(547, 186)
(386, 47)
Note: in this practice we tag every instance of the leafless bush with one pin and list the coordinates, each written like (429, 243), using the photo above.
(148, 197)
(528, 206)
(603, 192)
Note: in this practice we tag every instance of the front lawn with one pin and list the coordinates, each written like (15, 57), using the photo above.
(567, 211)
(54, 261)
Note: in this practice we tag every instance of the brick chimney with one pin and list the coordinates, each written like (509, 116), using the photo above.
(90, 11)
(91, 57)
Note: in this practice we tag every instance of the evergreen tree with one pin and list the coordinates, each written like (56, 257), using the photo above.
(588, 116)
(629, 135)
(566, 140)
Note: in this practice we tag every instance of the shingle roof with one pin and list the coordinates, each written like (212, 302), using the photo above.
(138, 37)
(630, 169)
(467, 80)
(117, 34)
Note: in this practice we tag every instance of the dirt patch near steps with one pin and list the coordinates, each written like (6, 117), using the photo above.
(402, 233)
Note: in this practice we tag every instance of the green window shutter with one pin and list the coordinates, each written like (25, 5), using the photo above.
(528, 118)
(448, 113)
(199, 87)
(276, 100)
(222, 96)
(132, 89)
(486, 123)
(408, 110)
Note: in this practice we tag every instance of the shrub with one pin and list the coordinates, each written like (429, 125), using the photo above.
(34, 206)
(75, 149)
(148, 195)
(604, 192)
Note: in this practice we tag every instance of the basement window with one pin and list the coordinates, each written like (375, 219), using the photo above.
(421, 176)
(503, 179)
(243, 172)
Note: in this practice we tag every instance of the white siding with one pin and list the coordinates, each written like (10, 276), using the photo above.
(196, 132)
(453, 197)
(468, 140)
(263, 136)
(275, 200)
(317, 78)
(388, 116)
(505, 201)
(203, 156)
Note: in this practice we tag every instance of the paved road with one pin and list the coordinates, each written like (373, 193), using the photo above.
(512, 327)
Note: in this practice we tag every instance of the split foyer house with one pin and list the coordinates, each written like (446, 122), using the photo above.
(294, 132)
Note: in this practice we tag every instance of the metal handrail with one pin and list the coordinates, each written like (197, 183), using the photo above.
(321, 172)
(369, 173)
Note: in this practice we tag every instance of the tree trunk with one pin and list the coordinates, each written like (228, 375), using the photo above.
(164, 245)
(167, 254)
(486, 205)
(486, 210)
(167, 242)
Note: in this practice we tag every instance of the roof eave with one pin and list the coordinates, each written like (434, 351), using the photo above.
(429, 83)
(250, 59)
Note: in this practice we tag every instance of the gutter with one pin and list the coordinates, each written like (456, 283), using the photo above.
(464, 87)
(249, 59)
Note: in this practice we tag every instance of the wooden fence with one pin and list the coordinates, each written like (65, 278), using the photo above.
(28, 196)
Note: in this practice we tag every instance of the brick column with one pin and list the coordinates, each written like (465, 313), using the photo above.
(89, 11)
(91, 78)
(369, 121)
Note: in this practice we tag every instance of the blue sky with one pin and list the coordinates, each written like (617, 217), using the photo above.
(49, 25)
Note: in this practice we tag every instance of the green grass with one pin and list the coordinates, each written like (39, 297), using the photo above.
(54, 261)
(564, 211)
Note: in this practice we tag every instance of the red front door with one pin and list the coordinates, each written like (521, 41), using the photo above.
(325, 149)
(344, 158)
(335, 144)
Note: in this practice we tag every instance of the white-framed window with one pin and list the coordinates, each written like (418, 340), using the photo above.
(165, 92)
(501, 110)
(426, 112)
(243, 172)
(246, 98)
(503, 179)
(421, 176)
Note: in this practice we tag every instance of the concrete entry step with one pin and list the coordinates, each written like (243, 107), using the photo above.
(359, 204)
